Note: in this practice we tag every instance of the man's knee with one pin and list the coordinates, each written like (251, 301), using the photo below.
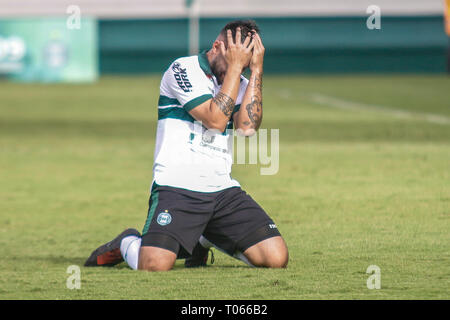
(269, 253)
(156, 259)
(278, 259)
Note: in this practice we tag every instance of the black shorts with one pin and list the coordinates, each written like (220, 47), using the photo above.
(230, 219)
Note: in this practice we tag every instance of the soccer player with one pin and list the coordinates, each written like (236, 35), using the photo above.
(195, 203)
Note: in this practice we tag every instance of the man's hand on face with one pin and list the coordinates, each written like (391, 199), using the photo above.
(238, 55)
(257, 60)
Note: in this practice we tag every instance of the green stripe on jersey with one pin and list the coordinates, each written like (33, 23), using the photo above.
(174, 113)
(182, 114)
(166, 101)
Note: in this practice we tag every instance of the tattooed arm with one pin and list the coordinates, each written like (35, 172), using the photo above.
(216, 113)
(248, 119)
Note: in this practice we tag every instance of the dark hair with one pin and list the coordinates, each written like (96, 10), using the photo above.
(245, 25)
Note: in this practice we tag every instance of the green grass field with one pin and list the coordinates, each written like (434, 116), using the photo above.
(364, 179)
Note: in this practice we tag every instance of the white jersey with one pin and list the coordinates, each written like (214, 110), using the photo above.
(187, 155)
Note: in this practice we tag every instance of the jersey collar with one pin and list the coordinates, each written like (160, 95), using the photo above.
(204, 63)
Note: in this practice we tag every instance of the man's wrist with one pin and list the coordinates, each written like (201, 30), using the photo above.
(234, 68)
(257, 70)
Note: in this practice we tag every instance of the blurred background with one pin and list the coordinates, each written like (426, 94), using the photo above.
(78, 40)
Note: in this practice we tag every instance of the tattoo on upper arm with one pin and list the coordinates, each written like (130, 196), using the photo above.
(225, 103)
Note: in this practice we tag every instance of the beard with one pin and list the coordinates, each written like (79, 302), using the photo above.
(218, 72)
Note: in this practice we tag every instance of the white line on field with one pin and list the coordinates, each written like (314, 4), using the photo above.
(396, 113)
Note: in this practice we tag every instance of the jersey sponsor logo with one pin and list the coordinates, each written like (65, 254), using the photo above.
(181, 77)
(273, 226)
(164, 218)
(208, 138)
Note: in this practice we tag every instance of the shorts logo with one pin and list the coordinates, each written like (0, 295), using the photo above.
(164, 218)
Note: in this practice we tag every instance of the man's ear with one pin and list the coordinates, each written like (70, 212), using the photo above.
(216, 46)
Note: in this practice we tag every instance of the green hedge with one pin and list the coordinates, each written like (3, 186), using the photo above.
(320, 44)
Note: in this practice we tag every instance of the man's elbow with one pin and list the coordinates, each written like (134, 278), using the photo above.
(246, 132)
(217, 126)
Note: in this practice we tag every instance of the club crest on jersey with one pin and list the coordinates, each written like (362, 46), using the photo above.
(181, 77)
(164, 218)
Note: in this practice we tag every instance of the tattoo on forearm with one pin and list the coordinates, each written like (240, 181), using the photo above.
(254, 108)
(256, 82)
(225, 103)
(254, 111)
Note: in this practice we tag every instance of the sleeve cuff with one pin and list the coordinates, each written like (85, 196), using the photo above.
(188, 106)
